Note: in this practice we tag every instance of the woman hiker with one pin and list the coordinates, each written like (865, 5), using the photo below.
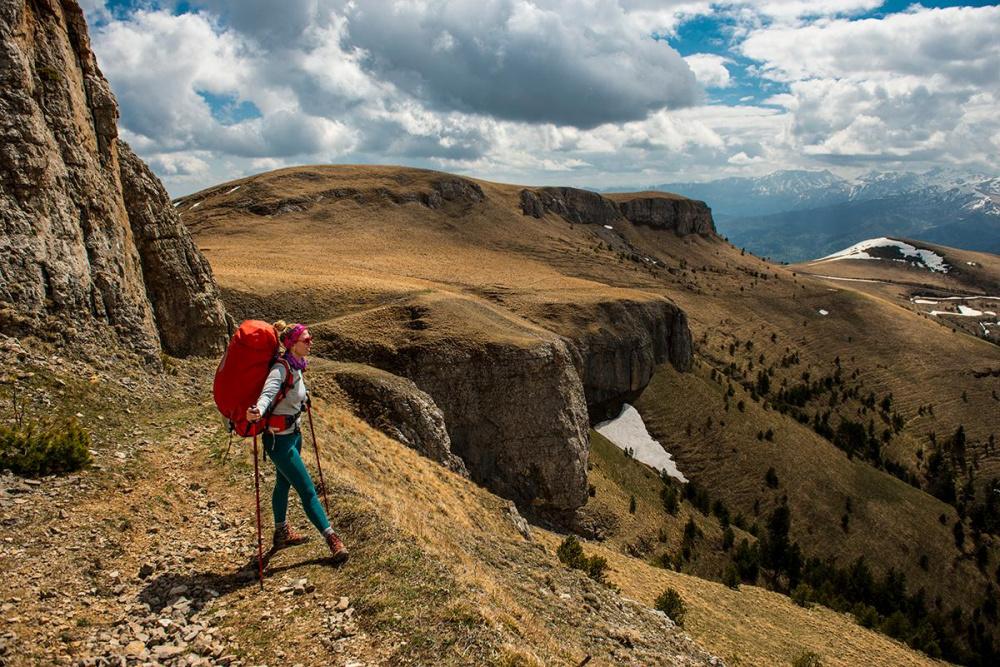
(284, 446)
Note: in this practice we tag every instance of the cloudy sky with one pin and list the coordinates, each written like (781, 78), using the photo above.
(596, 93)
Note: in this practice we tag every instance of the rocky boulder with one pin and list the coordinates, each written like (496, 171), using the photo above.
(77, 230)
(395, 406)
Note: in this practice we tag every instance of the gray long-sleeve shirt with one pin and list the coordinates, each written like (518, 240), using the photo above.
(293, 401)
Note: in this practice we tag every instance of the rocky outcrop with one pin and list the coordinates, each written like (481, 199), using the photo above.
(395, 406)
(575, 205)
(265, 198)
(683, 216)
(69, 248)
(178, 279)
(509, 392)
(516, 416)
(517, 398)
(616, 345)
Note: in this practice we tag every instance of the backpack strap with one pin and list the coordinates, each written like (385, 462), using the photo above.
(281, 422)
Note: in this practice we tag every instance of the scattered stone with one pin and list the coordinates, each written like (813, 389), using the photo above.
(135, 649)
(167, 651)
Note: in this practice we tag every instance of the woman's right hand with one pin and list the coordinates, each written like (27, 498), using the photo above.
(253, 414)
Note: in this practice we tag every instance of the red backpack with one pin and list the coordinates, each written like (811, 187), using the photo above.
(240, 377)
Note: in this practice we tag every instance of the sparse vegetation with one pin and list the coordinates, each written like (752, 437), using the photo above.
(571, 553)
(33, 450)
(807, 659)
(671, 604)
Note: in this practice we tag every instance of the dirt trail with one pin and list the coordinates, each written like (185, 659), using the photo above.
(148, 561)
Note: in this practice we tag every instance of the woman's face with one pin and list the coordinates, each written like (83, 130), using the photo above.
(303, 344)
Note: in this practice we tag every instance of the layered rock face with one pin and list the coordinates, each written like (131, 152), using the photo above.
(683, 216)
(573, 204)
(617, 344)
(510, 394)
(86, 237)
(178, 278)
(395, 406)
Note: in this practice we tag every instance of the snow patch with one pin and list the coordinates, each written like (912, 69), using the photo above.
(963, 298)
(824, 312)
(608, 227)
(196, 205)
(925, 301)
(628, 431)
(963, 311)
(928, 258)
(232, 190)
(849, 280)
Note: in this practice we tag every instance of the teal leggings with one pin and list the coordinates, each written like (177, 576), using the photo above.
(285, 452)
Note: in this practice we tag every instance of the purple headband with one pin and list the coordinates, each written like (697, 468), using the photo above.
(292, 335)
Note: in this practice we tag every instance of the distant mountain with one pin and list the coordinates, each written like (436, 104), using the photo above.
(796, 215)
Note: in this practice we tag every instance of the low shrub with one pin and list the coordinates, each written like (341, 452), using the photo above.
(572, 555)
(671, 604)
(807, 659)
(60, 448)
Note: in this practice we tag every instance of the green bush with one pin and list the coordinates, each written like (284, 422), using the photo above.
(807, 659)
(671, 604)
(62, 447)
(731, 577)
(571, 554)
(597, 566)
(802, 595)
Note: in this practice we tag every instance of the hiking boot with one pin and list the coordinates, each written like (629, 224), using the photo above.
(287, 537)
(337, 549)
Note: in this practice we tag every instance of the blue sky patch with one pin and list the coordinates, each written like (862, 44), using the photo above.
(228, 109)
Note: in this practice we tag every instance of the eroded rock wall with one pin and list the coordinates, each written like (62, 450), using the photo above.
(68, 249)
(683, 216)
(177, 276)
(510, 394)
(398, 408)
(617, 344)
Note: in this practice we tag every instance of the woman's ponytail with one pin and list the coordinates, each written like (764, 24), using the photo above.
(279, 329)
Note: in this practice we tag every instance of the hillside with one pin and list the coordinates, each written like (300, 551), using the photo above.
(145, 555)
(380, 270)
(961, 291)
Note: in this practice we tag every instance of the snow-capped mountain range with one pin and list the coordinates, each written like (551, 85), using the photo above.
(798, 215)
(796, 189)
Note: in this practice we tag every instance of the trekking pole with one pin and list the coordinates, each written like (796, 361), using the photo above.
(256, 488)
(230, 445)
(322, 484)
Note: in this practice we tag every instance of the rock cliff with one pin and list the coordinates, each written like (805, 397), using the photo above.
(395, 406)
(684, 216)
(509, 391)
(616, 345)
(87, 236)
(653, 209)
